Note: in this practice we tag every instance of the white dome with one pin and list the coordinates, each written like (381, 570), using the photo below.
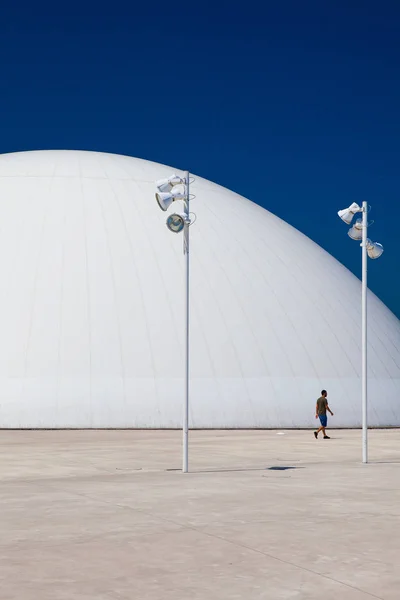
(92, 319)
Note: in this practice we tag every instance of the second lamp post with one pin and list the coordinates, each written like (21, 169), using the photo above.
(372, 250)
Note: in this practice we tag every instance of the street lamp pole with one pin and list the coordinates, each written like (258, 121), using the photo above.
(185, 462)
(170, 190)
(364, 366)
(373, 250)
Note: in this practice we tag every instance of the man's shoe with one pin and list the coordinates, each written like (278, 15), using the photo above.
(316, 435)
(326, 437)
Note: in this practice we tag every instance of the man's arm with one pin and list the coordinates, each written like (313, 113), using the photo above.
(329, 410)
(316, 411)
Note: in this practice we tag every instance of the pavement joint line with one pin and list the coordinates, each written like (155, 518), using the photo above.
(323, 575)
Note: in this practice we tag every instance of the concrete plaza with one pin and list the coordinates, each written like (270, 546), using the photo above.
(262, 515)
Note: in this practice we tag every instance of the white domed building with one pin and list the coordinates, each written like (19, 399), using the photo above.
(92, 313)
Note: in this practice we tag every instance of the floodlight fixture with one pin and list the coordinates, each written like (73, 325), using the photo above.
(356, 231)
(374, 249)
(176, 223)
(165, 199)
(167, 184)
(347, 214)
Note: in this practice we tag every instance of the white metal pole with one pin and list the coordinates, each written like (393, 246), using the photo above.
(364, 369)
(185, 463)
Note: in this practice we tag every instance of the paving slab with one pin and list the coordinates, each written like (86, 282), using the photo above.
(262, 515)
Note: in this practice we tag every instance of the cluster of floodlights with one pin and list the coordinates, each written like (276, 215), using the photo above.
(374, 249)
(168, 191)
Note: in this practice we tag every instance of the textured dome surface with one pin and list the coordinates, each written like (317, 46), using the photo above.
(92, 313)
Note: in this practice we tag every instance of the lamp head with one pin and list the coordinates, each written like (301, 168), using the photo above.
(356, 231)
(166, 185)
(176, 223)
(374, 250)
(165, 199)
(347, 214)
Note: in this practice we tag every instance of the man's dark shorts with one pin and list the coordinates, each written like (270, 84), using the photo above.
(324, 420)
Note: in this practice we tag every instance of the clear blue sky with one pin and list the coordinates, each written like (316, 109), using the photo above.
(292, 104)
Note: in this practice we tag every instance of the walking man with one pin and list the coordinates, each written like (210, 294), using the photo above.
(320, 412)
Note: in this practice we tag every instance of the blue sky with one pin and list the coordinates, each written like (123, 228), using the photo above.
(292, 104)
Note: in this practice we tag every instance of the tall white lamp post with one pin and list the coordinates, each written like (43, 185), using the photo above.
(168, 191)
(372, 250)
